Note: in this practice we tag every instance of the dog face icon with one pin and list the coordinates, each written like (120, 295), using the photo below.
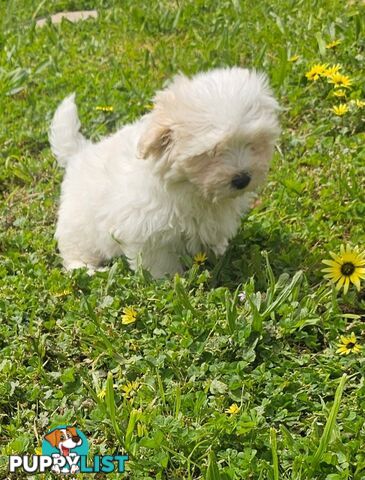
(64, 439)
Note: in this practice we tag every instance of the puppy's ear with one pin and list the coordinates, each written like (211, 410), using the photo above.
(72, 431)
(53, 438)
(157, 138)
(155, 142)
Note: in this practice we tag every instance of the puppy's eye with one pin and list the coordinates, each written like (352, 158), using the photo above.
(252, 146)
(258, 148)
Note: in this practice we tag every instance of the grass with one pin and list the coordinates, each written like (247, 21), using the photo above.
(159, 389)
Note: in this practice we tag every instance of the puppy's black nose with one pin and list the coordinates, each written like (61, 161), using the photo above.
(76, 439)
(241, 180)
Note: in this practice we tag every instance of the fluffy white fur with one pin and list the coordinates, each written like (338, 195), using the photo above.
(173, 182)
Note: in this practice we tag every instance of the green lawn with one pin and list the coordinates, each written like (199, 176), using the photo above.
(160, 389)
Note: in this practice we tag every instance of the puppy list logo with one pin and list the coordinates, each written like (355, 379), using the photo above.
(64, 451)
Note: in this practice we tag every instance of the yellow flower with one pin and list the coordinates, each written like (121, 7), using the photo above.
(129, 315)
(294, 58)
(348, 345)
(63, 293)
(38, 451)
(106, 108)
(130, 389)
(333, 44)
(200, 258)
(332, 70)
(339, 93)
(359, 103)
(233, 409)
(340, 109)
(101, 394)
(339, 80)
(348, 266)
(316, 71)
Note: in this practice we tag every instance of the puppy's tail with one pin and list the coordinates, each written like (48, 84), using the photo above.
(64, 135)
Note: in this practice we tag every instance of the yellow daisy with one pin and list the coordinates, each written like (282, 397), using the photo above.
(129, 315)
(200, 258)
(233, 409)
(130, 389)
(101, 394)
(359, 103)
(339, 93)
(106, 108)
(332, 70)
(345, 268)
(340, 109)
(316, 71)
(340, 81)
(63, 293)
(333, 44)
(348, 345)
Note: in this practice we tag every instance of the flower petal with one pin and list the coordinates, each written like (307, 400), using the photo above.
(340, 283)
(336, 257)
(332, 263)
(346, 285)
(355, 280)
(332, 278)
(360, 272)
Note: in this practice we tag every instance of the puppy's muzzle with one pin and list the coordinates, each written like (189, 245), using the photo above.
(241, 180)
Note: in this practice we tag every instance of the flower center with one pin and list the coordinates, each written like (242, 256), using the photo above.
(347, 269)
(350, 345)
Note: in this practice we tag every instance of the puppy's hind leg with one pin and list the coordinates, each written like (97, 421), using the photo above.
(78, 254)
(78, 241)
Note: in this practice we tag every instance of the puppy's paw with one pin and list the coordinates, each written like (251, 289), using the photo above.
(220, 249)
(91, 269)
(56, 469)
(75, 264)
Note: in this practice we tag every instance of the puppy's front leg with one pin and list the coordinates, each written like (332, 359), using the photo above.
(161, 262)
(220, 248)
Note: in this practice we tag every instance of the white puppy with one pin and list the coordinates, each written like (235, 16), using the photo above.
(175, 182)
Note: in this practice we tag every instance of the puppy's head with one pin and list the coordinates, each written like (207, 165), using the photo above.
(216, 131)
(64, 439)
